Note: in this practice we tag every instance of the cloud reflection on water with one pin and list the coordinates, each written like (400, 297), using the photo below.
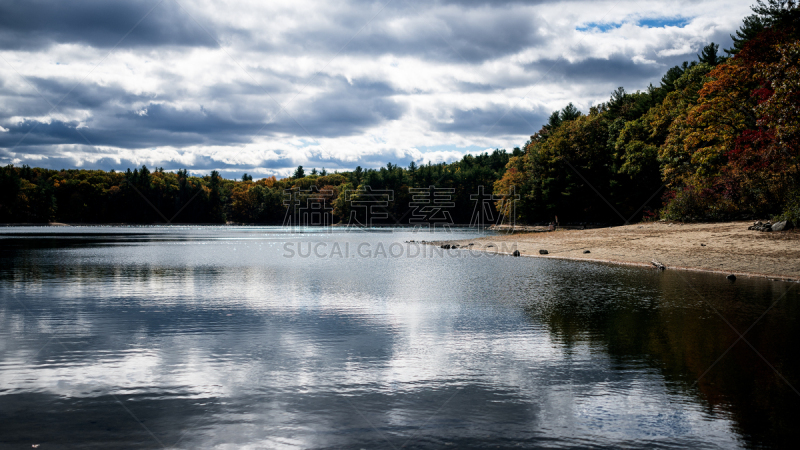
(245, 347)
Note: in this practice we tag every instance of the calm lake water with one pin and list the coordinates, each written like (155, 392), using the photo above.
(216, 337)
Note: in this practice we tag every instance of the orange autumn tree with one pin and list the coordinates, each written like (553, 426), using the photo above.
(721, 160)
(510, 183)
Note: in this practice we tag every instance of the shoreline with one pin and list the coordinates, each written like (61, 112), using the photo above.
(723, 248)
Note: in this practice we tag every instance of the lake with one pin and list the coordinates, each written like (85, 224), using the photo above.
(263, 337)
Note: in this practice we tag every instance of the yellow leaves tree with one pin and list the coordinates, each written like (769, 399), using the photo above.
(510, 183)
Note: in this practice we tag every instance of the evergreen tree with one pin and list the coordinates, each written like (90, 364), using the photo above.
(10, 184)
(751, 26)
(709, 55)
(553, 122)
(247, 177)
(570, 112)
(215, 199)
(669, 78)
(768, 14)
(299, 172)
(144, 177)
(777, 12)
(617, 100)
(618, 95)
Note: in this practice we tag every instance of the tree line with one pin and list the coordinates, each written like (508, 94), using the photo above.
(36, 195)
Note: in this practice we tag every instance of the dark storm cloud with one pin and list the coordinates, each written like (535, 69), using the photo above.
(347, 108)
(617, 69)
(71, 95)
(450, 34)
(494, 120)
(453, 33)
(33, 24)
(467, 4)
(162, 126)
(465, 86)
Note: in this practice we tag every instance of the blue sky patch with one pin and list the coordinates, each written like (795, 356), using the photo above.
(679, 22)
(602, 27)
(659, 22)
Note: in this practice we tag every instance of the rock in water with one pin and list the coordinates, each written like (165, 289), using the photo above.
(586, 251)
(543, 252)
(731, 277)
(779, 226)
(516, 253)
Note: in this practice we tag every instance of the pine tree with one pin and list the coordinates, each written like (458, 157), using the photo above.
(570, 112)
(768, 14)
(751, 26)
(144, 178)
(777, 12)
(709, 55)
(554, 121)
(216, 214)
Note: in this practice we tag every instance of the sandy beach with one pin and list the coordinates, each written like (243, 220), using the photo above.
(726, 248)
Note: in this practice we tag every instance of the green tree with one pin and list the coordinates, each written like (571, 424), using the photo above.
(781, 13)
(553, 122)
(777, 12)
(751, 26)
(709, 55)
(357, 176)
(216, 214)
(10, 185)
(570, 112)
(672, 75)
(299, 172)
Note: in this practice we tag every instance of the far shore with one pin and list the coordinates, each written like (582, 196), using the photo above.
(725, 248)
(722, 247)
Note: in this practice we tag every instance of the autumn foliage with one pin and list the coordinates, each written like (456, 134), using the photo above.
(717, 140)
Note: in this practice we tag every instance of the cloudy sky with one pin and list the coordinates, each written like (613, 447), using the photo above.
(263, 86)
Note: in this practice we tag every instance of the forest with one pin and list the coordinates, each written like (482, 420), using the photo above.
(35, 195)
(717, 139)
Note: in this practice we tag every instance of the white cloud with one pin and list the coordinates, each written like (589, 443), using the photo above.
(417, 81)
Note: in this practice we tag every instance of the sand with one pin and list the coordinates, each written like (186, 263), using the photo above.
(726, 248)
